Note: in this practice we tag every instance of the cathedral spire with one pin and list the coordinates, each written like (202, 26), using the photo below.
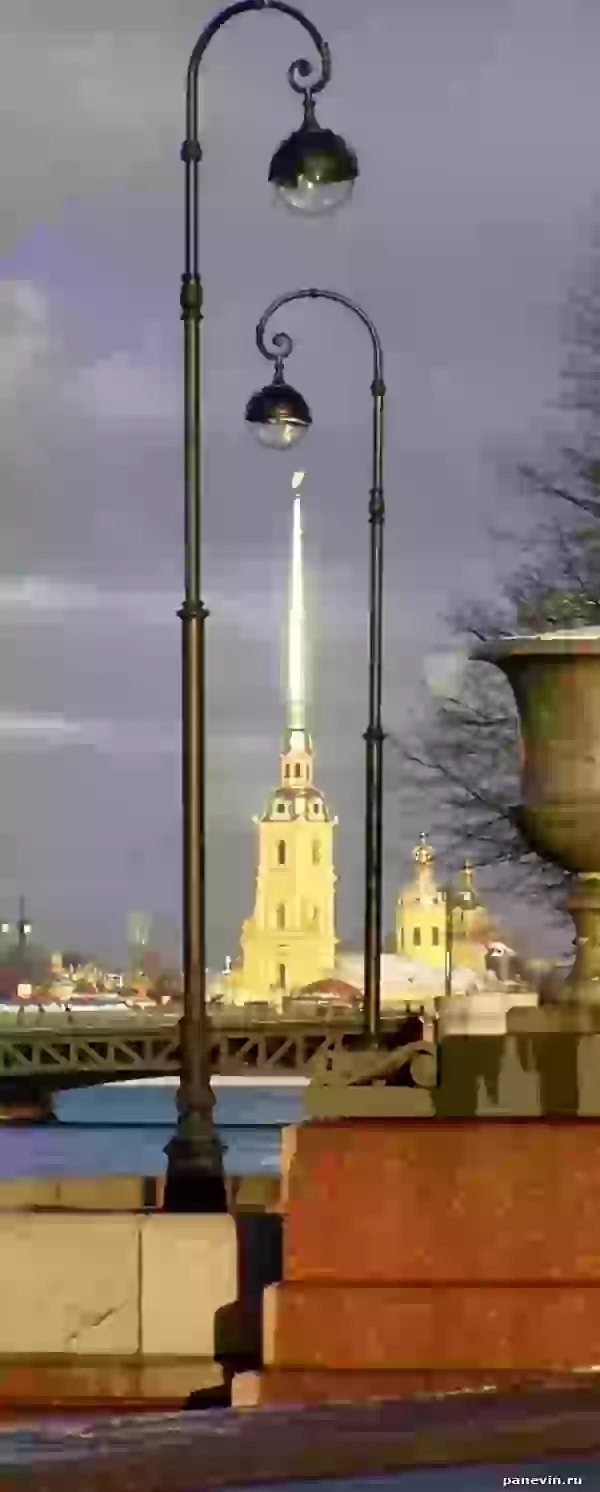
(296, 681)
(289, 941)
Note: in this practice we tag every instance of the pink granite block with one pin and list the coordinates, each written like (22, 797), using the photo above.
(377, 1328)
(443, 1200)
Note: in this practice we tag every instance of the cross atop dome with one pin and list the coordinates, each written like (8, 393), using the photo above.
(423, 853)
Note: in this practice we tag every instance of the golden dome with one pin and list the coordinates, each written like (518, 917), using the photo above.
(423, 853)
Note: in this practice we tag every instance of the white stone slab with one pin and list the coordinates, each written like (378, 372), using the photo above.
(188, 1273)
(70, 1284)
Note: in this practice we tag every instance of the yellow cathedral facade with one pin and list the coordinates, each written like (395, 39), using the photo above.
(289, 940)
(422, 933)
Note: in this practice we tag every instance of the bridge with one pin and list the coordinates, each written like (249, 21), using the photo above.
(41, 1058)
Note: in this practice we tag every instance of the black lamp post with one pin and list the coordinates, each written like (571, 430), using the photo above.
(450, 904)
(313, 171)
(280, 416)
(457, 898)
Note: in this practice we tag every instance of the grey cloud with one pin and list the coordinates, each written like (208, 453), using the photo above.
(477, 127)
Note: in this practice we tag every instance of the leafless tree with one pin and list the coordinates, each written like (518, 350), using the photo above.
(462, 755)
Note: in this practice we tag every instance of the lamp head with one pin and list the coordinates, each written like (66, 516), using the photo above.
(314, 170)
(278, 414)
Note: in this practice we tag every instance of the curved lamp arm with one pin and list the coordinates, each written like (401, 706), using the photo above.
(301, 68)
(284, 344)
(191, 150)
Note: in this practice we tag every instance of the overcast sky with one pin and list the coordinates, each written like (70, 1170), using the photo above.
(477, 128)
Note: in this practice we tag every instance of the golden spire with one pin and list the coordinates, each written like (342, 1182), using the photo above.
(296, 681)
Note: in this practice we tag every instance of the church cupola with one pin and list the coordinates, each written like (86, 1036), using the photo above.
(420, 910)
(466, 895)
(473, 926)
(424, 858)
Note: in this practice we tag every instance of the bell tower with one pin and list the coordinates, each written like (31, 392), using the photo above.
(289, 941)
(472, 924)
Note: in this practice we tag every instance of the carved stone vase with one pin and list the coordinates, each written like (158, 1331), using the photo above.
(555, 678)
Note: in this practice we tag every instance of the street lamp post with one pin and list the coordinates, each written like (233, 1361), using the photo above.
(312, 171)
(280, 416)
(456, 898)
(449, 907)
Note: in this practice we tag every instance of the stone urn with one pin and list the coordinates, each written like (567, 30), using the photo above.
(555, 678)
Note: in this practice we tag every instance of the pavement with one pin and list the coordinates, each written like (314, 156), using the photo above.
(197, 1451)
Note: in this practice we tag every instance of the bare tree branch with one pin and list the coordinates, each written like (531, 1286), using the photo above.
(462, 752)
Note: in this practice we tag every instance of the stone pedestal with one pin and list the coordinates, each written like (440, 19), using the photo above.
(438, 1253)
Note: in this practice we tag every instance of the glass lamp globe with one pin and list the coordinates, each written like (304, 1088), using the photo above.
(314, 170)
(279, 435)
(278, 415)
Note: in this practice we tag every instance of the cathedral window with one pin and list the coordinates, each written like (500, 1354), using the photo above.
(281, 915)
(282, 976)
(297, 769)
(417, 937)
(435, 937)
(281, 807)
(287, 770)
(281, 852)
(316, 852)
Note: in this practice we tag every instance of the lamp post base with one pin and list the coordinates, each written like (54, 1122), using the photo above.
(195, 1180)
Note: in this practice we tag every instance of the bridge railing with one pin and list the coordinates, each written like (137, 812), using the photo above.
(234, 1017)
(68, 1054)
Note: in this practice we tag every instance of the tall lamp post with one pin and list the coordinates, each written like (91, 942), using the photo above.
(313, 171)
(280, 416)
(449, 907)
(456, 898)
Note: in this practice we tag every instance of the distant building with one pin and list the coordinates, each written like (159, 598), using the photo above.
(405, 981)
(336, 988)
(421, 915)
(329, 996)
